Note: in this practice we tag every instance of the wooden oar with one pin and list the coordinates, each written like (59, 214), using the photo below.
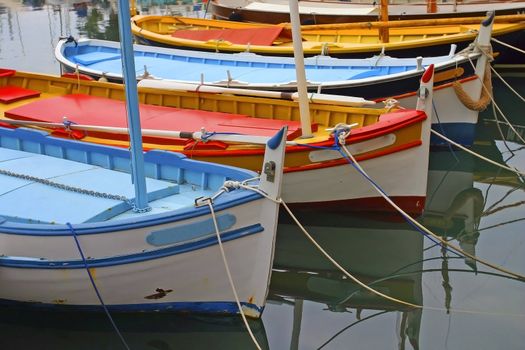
(313, 97)
(197, 135)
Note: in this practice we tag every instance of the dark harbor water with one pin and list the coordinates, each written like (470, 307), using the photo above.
(311, 304)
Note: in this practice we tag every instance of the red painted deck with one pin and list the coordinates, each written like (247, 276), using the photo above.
(264, 36)
(99, 111)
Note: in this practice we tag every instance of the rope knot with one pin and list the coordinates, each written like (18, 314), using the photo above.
(390, 103)
(231, 185)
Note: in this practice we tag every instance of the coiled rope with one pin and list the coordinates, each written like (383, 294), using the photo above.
(485, 98)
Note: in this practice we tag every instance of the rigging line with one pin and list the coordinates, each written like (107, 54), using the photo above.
(351, 325)
(520, 173)
(372, 290)
(454, 247)
(503, 207)
(404, 274)
(507, 84)
(443, 178)
(443, 130)
(495, 115)
(99, 296)
(341, 268)
(507, 45)
(437, 244)
(230, 279)
(495, 204)
(496, 105)
(501, 224)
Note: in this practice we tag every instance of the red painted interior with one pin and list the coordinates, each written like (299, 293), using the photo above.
(99, 111)
(264, 36)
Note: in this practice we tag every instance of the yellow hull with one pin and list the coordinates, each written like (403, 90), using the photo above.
(354, 38)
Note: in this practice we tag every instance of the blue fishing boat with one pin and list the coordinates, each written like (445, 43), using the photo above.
(55, 191)
(85, 225)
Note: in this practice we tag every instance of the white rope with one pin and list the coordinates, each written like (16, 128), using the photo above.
(495, 104)
(217, 232)
(507, 45)
(423, 228)
(342, 269)
(235, 184)
(507, 84)
(514, 170)
(374, 291)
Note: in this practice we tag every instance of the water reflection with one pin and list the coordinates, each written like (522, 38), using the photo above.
(387, 256)
(163, 331)
(311, 304)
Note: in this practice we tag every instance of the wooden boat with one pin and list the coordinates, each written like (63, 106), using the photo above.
(333, 11)
(55, 189)
(392, 145)
(374, 78)
(350, 40)
(146, 228)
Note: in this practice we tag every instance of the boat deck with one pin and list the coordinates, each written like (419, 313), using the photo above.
(193, 69)
(99, 111)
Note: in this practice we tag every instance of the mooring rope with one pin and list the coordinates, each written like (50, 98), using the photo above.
(496, 105)
(514, 170)
(420, 226)
(507, 45)
(457, 250)
(230, 279)
(507, 84)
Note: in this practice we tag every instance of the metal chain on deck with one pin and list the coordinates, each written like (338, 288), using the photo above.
(64, 187)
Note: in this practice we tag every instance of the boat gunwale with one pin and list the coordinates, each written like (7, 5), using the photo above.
(454, 60)
(226, 201)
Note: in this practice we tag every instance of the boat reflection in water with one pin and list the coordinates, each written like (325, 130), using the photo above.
(145, 331)
(388, 256)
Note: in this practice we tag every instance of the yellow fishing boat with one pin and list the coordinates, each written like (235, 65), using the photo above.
(406, 38)
(391, 144)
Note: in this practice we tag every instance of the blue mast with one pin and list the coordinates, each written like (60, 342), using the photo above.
(132, 107)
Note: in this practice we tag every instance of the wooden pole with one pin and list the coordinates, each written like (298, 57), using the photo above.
(304, 109)
(383, 31)
(431, 6)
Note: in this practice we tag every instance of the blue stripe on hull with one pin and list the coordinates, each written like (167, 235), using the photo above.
(462, 133)
(200, 307)
(35, 263)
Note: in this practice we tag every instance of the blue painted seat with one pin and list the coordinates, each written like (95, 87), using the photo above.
(20, 197)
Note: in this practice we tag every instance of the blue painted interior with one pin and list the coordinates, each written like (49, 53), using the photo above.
(191, 231)
(186, 68)
(174, 182)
